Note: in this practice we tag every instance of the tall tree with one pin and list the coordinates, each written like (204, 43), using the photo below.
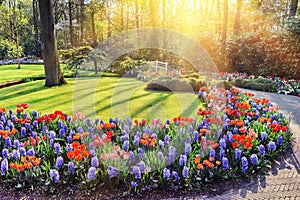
(293, 8)
(225, 22)
(237, 23)
(53, 74)
(70, 7)
(137, 17)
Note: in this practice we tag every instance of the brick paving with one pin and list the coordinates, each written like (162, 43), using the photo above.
(283, 180)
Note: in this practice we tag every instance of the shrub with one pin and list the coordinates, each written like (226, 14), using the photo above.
(266, 53)
(176, 84)
(8, 50)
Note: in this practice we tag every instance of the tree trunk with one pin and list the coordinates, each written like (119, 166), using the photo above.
(53, 74)
(164, 11)
(93, 29)
(81, 20)
(237, 24)
(225, 21)
(293, 8)
(152, 13)
(137, 22)
(71, 23)
(35, 20)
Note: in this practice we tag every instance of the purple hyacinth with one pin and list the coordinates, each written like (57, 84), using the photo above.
(222, 143)
(141, 153)
(166, 174)
(8, 142)
(131, 157)
(16, 154)
(69, 139)
(182, 160)
(23, 132)
(238, 153)
(263, 136)
(280, 140)
(175, 175)
(52, 134)
(31, 152)
(4, 166)
(59, 162)
(137, 172)
(112, 172)
(125, 145)
(222, 153)
(94, 162)
(271, 146)
(188, 148)
(57, 148)
(172, 153)
(142, 166)
(254, 159)
(61, 133)
(22, 151)
(136, 140)
(134, 184)
(160, 156)
(51, 143)
(166, 140)
(185, 172)
(212, 153)
(161, 144)
(225, 163)
(244, 164)
(92, 151)
(91, 173)
(88, 122)
(69, 148)
(16, 143)
(262, 150)
(196, 136)
(54, 175)
(71, 167)
(5, 153)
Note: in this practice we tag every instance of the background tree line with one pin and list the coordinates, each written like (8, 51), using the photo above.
(238, 34)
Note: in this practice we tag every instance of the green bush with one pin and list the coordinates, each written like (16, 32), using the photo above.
(176, 84)
(266, 53)
(32, 47)
(8, 50)
(74, 58)
(261, 84)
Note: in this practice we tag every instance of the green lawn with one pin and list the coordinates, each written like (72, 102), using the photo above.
(10, 72)
(102, 97)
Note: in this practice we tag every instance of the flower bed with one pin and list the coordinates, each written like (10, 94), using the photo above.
(272, 84)
(235, 135)
(22, 61)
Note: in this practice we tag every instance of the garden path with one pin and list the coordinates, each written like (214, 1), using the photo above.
(283, 180)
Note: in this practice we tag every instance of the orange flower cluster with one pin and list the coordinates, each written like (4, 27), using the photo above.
(2, 110)
(26, 164)
(238, 123)
(145, 140)
(7, 133)
(243, 105)
(209, 163)
(243, 140)
(264, 120)
(77, 136)
(107, 126)
(18, 120)
(79, 151)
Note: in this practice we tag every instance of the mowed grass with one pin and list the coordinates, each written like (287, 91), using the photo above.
(10, 72)
(101, 97)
